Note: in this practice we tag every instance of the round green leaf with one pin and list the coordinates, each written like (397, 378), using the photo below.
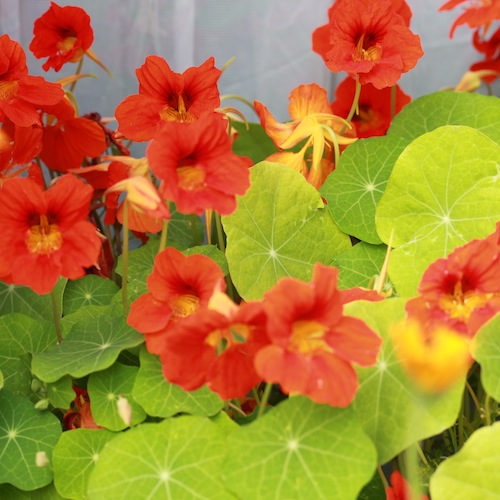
(175, 459)
(74, 458)
(24, 432)
(355, 187)
(392, 411)
(472, 473)
(160, 398)
(48, 492)
(60, 393)
(486, 351)
(91, 345)
(300, 450)
(443, 192)
(280, 228)
(104, 389)
(91, 290)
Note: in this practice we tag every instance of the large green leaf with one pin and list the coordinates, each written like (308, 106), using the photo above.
(89, 290)
(447, 108)
(486, 351)
(393, 412)
(443, 192)
(48, 492)
(300, 450)
(104, 389)
(91, 345)
(355, 187)
(74, 458)
(163, 399)
(25, 431)
(280, 228)
(472, 473)
(178, 458)
(253, 142)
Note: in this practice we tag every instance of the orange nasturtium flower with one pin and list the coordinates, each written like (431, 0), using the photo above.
(463, 289)
(63, 34)
(400, 489)
(21, 95)
(434, 355)
(197, 166)
(313, 344)
(46, 234)
(167, 96)
(369, 40)
(374, 106)
(216, 346)
(178, 286)
(313, 121)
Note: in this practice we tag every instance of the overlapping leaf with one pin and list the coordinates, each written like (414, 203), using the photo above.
(89, 290)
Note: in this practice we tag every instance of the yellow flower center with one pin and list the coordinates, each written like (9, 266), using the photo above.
(308, 338)
(184, 306)
(191, 178)
(366, 52)
(224, 338)
(44, 238)
(67, 44)
(461, 305)
(177, 113)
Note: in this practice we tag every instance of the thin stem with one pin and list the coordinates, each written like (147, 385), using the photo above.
(412, 469)
(220, 233)
(473, 396)
(56, 316)
(236, 408)
(194, 218)
(354, 105)
(382, 477)
(421, 453)
(163, 237)
(125, 257)
(77, 72)
(208, 224)
(487, 413)
(256, 395)
(461, 425)
(264, 399)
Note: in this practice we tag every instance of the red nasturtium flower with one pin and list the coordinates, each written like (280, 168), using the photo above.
(400, 489)
(478, 13)
(491, 50)
(314, 345)
(374, 106)
(197, 166)
(63, 34)
(167, 96)
(463, 289)
(178, 286)
(79, 415)
(369, 40)
(45, 234)
(216, 346)
(21, 95)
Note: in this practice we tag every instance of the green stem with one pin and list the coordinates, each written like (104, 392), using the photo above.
(125, 257)
(196, 241)
(382, 477)
(487, 413)
(473, 396)
(256, 396)
(461, 426)
(354, 106)
(220, 232)
(421, 453)
(412, 469)
(264, 399)
(77, 72)
(56, 316)
(163, 237)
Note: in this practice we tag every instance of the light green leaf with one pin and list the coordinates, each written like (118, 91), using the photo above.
(210, 251)
(180, 229)
(74, 458)
(443, 192)
(472, 473)
(253, 142)
(176, 459)
(447, 108)
(355, 187)
(89, 290)
(486, 351)
(160, 398)
(392, 411)
(91, 346)
(300, 450)
(87, 313)
(60, 393)
(24, 432)
(104, 388)
(280, 228)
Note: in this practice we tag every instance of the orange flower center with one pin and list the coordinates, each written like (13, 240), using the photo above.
(308, 337)
(461, 305)
(222, 339)
(44, 238)
(8, 89)
(366, 51)
(184, 306)
(191, 178)
(177, 113)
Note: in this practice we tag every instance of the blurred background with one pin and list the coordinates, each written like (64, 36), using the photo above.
(269, 39)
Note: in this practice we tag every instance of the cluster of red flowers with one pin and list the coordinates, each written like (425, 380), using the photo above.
(297, 336)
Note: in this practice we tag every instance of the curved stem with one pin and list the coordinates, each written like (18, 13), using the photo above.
(382, 477)
(56, 316)
(125, 257)
(220, 233)
(487, 413)
(354, 106)
(163, 237)
(77, 72)
(264, 399)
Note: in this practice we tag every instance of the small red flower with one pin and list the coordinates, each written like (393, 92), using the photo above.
(400, 489)
(369, 40)
(463, 289)
(374, 115)
(79, 415)
(217, 348)
(167, 96)
(63, 34)
(491, 50)
(197, 166)
(314, 345)
(178, 286)
(21, 95)
(45, 234)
